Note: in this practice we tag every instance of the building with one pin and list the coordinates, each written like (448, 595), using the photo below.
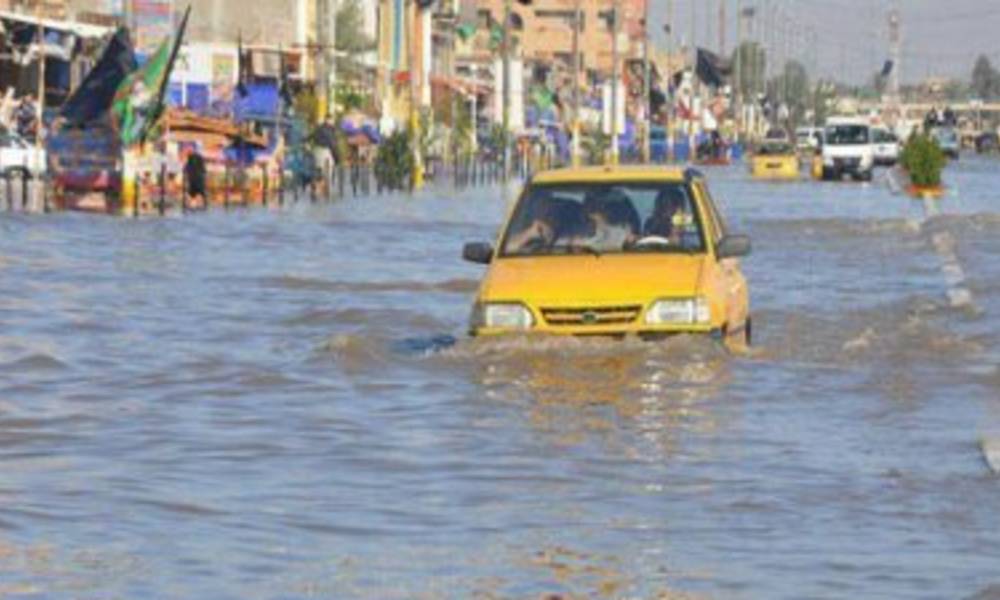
(543, 31)
(50, 9)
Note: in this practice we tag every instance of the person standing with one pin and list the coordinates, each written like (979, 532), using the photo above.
(194, 174)
(27, 118)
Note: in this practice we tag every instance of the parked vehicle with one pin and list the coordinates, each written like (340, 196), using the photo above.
(808, 139)
(614, 251)
(886, 147)
(947, 139)
(848, 149)
(19, 157)
(987, 143)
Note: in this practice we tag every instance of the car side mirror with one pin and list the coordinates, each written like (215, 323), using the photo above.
(733, 246)
(480, 253)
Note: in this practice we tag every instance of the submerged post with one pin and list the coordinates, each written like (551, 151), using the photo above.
(163, 189)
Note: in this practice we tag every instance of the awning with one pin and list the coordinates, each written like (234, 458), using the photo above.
(84, 30)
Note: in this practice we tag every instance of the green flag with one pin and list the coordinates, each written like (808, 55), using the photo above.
(135, 106)
(139, 100)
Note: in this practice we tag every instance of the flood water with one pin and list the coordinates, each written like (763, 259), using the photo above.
(282, 403)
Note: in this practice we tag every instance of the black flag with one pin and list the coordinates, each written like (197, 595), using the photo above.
(711, 69)
(887, 68)
(241, 68)
(284, 89)
(94, 96)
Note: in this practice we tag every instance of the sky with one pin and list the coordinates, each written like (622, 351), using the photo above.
(940, 37)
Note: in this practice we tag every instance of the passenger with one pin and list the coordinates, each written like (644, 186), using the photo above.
(613, 221)
(670, 204)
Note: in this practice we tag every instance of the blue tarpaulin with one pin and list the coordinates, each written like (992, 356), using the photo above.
(261, 101)
(198, 97)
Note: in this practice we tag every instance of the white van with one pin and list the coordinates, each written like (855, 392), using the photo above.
(886, 147)
(848, 149)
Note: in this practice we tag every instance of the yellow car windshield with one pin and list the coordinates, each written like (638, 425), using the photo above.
(599, 218)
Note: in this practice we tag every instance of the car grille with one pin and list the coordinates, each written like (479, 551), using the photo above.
(594, 316)
(847, 162)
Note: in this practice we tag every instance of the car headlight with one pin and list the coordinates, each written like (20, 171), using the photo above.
(682, 311)
(505, 315)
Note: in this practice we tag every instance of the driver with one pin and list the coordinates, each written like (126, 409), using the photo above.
(541, 229)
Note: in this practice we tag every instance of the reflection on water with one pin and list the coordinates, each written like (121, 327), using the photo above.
(284, 403)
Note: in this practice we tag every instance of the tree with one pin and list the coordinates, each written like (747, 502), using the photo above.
(985, 79)
(750, 61)
(792, 88)
(351, 40)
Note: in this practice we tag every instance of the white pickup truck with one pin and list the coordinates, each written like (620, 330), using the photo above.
(19, 157)
(848, 149)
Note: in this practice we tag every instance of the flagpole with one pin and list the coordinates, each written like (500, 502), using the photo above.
(615, 76)
(40, 124)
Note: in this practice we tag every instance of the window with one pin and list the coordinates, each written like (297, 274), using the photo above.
(718, 225)
(847, 135)
(625, 217)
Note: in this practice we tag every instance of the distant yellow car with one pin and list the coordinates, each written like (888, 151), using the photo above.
(614, 251)
(775, 160)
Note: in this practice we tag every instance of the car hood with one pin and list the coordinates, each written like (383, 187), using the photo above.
(847, 151)
(593, 280)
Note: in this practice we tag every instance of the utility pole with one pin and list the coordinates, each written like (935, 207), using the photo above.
(417, 176)
(722, 28)
(709, 12)
(39, 126)
(694, 33)
(670, 74)
(575, 159)
(615, 77)
(895, 50)
(738, 56)
(646, 84)
(506, 87)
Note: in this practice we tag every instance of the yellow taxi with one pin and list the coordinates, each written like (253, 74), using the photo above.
(775, 160)
(614, 251)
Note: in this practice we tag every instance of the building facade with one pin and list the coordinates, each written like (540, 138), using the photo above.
(544, 30)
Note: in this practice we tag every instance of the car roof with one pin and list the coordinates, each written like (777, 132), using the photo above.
(616, 173)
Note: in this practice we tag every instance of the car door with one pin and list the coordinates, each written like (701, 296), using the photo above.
(733, 283)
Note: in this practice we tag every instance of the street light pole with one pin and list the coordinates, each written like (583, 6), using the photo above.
(646, 84)
(615, 76)
(738, 55)
(506, 87)
(417, 176)
(40, 122)
(575, 159)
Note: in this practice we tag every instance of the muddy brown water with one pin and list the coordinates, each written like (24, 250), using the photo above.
(282, 404)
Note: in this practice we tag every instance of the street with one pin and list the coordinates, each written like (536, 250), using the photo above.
(282, 402)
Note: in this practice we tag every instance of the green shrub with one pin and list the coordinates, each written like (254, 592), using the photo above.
(924, 160)
(394, 161)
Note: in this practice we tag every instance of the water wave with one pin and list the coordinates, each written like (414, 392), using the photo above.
(295, 283)
(839, 227)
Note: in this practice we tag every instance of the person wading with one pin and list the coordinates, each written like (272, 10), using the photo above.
(194, 173)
